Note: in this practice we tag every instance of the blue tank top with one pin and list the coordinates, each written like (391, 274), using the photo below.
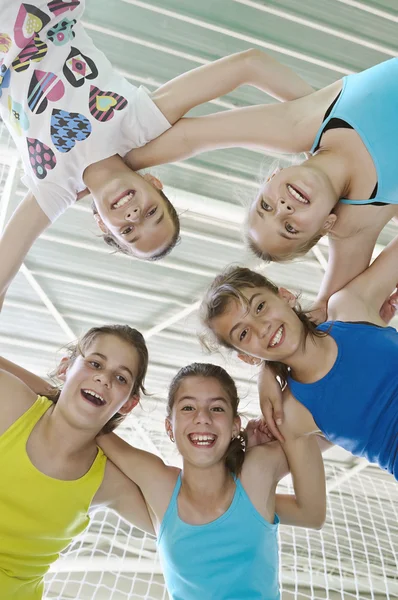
(356, 403)
(234, 557)
(368, 102)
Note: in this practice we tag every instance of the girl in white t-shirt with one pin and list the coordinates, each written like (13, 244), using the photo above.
(74, 118)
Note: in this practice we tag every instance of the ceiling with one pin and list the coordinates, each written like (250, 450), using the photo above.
(71, 281)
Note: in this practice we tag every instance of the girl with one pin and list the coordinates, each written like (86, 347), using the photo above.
(215, 518)
(347, 186)
(51, 469)
(342, 375)
(73, 118)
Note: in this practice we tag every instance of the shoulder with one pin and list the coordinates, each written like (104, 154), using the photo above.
(347, 305)
(15, 399)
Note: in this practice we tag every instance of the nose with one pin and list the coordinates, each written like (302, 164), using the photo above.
(283, 207)
(103, 378)
(263, 329)
(133, 214)
(203, 416)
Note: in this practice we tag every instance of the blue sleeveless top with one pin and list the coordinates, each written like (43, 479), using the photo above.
(356, 403)
(368, 102)
(234, 557)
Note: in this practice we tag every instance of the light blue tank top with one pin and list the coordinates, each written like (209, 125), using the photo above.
(234, 557)
(368, 102)
(356, 403)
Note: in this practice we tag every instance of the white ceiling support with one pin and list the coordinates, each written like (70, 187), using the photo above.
(240, 36)
(218, 174)
(383, 14)
(317, 26)
(317, 252)
(146, 43)
(111, 287)
(172, 320)
(47, 302)
(9, 189)
(23, 343)
(360, 464)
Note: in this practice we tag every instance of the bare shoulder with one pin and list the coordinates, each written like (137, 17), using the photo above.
(297, 418)
(347, 305)
(15, 399)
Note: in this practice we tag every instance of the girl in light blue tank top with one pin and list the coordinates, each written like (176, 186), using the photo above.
(342, 376)
(216, 517)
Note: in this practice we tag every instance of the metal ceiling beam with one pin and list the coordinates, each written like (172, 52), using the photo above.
(240, 36)
(377, 12)
(318, 27)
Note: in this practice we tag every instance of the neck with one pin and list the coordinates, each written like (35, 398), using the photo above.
(335, 167)
(314, 359)
(97, 173)
(62, 437)
(212, 482)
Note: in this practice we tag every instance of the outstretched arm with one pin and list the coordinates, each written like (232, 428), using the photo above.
(252, 67)
(24, 227)
(363, 297)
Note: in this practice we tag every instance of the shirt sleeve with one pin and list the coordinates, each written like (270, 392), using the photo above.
(146, 121)
(52, 199)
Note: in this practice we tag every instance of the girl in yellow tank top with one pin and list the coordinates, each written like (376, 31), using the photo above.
(50, 466)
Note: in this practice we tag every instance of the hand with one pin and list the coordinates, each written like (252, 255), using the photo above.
(389, 308)
(319, 312)
(82, 194)
(258, 433)
(271, 401)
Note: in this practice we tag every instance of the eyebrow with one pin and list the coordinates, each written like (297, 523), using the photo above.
(137, 237)
(215, 399)
(121, 367)
(251, 300)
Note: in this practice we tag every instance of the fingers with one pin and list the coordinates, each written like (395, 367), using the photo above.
(268, 412)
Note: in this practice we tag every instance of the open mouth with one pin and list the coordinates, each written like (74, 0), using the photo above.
(277, 338)
(297, 194)
(93, 397)
(123, 199)
(202, 440)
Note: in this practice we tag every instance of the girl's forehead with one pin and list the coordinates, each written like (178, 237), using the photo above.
(201, 388)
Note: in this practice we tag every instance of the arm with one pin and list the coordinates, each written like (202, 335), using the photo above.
(36, 384)
(363, 297)
(123, 496)
(253, 67)
(24, 227)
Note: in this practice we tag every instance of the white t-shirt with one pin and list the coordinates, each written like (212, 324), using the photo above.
(63, 102)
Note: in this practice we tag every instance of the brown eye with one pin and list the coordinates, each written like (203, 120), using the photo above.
(265, 206)
(290, 229)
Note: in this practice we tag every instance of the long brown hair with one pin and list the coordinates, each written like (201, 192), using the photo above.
(125, 333)
(228, 286)
(235, 454)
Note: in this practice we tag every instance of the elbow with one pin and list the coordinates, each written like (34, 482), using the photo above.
(317, 520)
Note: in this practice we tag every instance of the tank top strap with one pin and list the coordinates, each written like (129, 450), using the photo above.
(21, 429)
(171, 510)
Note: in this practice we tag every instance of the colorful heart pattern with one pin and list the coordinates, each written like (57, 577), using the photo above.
(62, 32)
(44, 87)
(30, 20)
(42, 158)
(34, 51)
(60, 6)
(4, 79)
(18, 118)
(103, 104)
(78, 68)
(68, 128)
(5, 43)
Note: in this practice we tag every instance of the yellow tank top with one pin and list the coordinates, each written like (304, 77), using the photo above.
(39, 515)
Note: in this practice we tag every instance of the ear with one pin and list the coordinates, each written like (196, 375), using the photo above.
(129, 405)
(289, 297)
(153, 181)
(100, 223)
(169, 428)
(237, 426)
(62, 368)
(329, 223)
(249, 360)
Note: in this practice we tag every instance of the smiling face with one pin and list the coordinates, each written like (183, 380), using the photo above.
(202, 421)
(130, 207)
(293, 207)
(100, 384)
(267, 328)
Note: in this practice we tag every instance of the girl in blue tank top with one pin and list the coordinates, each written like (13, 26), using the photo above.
(216, 517)
(342, 375)
(348, 130)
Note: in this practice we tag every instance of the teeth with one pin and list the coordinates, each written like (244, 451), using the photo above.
(277, 337)
(91, 393)
(123, 200)
(203, 440)
(297, 195)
